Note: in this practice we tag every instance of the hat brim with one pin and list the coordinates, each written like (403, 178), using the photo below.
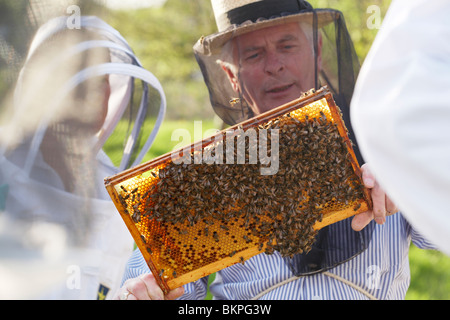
(213, 43)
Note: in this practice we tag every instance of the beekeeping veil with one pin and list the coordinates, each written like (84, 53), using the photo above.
(83, 108)
(338, 68)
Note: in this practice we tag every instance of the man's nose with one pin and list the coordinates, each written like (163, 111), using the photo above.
(274, 64)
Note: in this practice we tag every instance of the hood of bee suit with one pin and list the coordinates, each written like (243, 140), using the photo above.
(29, 184)
(340, 65)
(125, 74)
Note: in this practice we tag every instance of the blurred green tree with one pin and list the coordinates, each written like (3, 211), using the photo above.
(162, 38)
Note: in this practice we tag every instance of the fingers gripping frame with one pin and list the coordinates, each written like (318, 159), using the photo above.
(190, 218)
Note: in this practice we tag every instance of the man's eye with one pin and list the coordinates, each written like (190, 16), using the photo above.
(252, 56)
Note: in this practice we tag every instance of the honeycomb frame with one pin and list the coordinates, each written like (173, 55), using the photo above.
(182, 252)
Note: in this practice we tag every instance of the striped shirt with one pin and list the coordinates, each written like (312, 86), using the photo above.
(380, 272)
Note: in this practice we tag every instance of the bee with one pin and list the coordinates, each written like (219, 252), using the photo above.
(234, 101)
(246, 238)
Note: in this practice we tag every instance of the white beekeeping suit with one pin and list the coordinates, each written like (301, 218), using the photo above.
(72, 93)
(401, 113)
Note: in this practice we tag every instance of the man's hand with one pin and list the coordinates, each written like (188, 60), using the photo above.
(145, 287)
(382, 205)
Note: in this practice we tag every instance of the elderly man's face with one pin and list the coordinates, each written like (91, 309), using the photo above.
(276, 65)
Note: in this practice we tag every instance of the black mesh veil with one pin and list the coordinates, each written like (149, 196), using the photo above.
(334, 244)
(340, 69)
(335, 65)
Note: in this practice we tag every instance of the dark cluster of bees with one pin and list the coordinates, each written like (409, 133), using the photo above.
(315, 176)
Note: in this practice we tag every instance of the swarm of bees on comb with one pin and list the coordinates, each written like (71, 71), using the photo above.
(191, 219)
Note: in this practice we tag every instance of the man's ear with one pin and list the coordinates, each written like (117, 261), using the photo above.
(231, 76)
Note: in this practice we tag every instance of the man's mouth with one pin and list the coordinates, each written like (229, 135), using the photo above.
(279, 89)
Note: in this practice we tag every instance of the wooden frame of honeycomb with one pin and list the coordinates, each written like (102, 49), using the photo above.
(191, 220)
